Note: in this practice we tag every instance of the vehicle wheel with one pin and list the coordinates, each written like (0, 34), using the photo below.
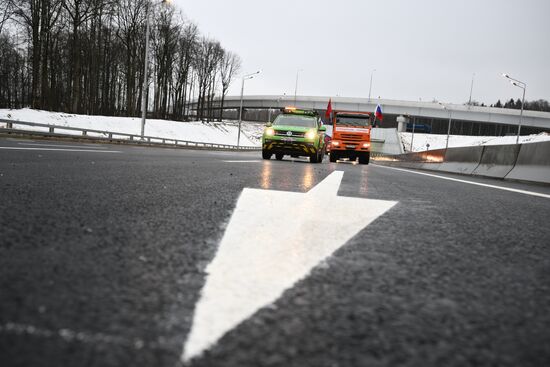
(332, 157)
(266, 155)
(279, 156)
(365, 158)
(314, 158)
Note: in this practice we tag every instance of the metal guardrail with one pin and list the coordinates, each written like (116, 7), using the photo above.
(111, 136)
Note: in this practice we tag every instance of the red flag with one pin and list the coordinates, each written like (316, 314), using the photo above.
(329, 109)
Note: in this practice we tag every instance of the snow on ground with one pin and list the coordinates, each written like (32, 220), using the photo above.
(437, 141)
(206, 132)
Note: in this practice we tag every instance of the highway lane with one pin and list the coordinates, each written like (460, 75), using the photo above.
(102, 259)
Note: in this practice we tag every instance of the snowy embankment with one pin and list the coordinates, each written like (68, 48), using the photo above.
(206, 132)
(438, 141)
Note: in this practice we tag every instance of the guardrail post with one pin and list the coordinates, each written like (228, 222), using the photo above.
(148, 140)
(9, 125)
(131, 137)
(111, 136)
(84, 133)
(51, 130)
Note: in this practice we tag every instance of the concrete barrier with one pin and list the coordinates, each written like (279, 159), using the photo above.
(432, 159)
(462, 160)
(533, 163)
(497, 160)
(526, 162)
(385, 141)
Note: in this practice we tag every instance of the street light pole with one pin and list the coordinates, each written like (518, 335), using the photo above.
(370, 85)
(448, 130)
(246, 77)
(146, 69)
(412, 137)
(523, 86)
(449, 126)
(145, 76)
(296, 86)
(471, 90)
(521, 113)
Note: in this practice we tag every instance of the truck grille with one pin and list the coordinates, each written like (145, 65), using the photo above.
(351, 137)
(295, 134)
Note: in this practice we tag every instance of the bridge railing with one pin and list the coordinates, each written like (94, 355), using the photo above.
(14, 127)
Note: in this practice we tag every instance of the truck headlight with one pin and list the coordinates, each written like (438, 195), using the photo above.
(366, 145)
(335, 143)
(311, 134)
(269, 132)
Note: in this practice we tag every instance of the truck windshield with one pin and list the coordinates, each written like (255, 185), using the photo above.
(352, 120)
(295, 120)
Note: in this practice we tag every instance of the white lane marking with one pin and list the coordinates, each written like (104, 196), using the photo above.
(266, 250)
(62, 150)
(243, 161)
(62, 146)
(69, 335)
(532, 193)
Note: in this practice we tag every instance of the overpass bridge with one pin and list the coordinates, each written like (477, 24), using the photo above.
(466, 120)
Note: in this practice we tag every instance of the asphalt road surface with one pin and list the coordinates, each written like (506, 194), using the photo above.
(103, 250)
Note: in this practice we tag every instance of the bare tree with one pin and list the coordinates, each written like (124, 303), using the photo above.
(87, 56)
(6, 9)
(131, 24)
(207, 59)
(229, 67)
(187, 44)
(165, 40)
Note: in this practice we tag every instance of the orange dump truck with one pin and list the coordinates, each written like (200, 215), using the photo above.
(350, 136)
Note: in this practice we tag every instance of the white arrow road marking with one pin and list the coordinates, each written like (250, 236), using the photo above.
(273, 240)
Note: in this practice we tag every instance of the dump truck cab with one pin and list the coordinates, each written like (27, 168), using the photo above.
(350, 136)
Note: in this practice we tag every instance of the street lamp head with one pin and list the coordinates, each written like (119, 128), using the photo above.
(250, 76)
(505, 75)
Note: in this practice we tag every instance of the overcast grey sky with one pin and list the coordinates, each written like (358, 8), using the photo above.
(420, 49)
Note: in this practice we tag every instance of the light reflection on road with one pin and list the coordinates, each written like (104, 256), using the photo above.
(266, 176)
(285, 176)
(363, 182)
(307, 178)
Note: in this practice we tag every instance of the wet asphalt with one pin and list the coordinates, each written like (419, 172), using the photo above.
(103, 256)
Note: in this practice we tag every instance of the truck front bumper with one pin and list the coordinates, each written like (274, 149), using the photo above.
(286, 147)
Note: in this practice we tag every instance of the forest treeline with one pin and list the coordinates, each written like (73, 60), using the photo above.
(536, 105)
(87, 56)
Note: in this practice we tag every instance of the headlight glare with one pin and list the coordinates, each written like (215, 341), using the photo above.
(269, 131)
(311, 134)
